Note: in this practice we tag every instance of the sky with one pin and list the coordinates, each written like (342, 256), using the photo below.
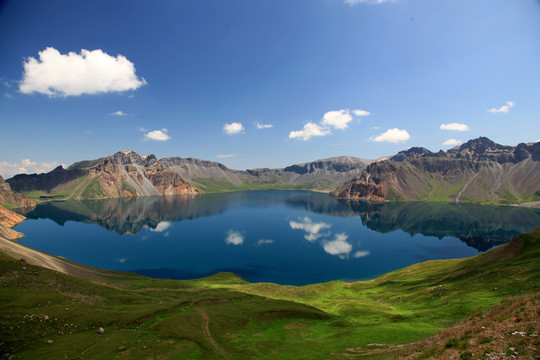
(266, 83)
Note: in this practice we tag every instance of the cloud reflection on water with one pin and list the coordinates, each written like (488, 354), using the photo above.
(234, 237)
(312, 229)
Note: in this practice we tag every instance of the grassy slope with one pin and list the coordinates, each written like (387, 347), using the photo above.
(209, 185)
(225, 317)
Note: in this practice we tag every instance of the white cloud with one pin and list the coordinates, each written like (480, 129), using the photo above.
(157, 135)
(26, 166)
(361, 254)
(9, 96)
(367, 2)
(454, 127)
(338, 119)
(119, 113)
(122, 260)
(392, 135)
(503, 109)
(264, 242)
(312, 229)
(234, 238)
(224, 156)
(90, 72)
(263, 126)
(310, 130)
(339, 246)
(233, 128)
(162, 226)
(361, 113)
(452, 142)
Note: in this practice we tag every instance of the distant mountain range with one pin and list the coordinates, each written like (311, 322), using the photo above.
(479, 171)
(127, 174)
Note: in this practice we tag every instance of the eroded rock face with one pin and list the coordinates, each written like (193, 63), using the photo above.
(477, 171)
(9, 219)
(9, 197)
(168, 182)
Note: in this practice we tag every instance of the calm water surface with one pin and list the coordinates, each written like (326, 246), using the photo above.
(285, 237)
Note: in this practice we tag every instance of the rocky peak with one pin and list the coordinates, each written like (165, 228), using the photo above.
(413, 152)
(131, 157)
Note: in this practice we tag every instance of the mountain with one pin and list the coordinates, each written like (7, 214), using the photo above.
(123, 174)
(127, 174)
(323, 174)
(9, 198)
(478, 171)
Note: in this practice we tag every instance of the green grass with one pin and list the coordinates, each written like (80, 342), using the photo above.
(165, 319)
(209, 185)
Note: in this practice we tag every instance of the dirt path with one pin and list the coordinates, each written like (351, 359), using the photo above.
(209, 336)
(465, 187)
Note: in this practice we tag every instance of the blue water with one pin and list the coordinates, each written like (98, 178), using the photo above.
(284, 237)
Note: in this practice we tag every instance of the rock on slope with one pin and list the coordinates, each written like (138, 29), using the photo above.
(9, 219)
(477, 171)
(123, 174)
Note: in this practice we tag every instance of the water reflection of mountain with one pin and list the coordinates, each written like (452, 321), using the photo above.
(481, 227)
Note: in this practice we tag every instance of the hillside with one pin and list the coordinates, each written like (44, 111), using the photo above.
(53, 308)
(478, 171)
(11, 199)
(124, 174)
(127, 174)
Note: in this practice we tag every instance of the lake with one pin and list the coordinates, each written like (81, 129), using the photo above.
(284, 237)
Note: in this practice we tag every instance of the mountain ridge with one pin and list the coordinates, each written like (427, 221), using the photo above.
(479, 170)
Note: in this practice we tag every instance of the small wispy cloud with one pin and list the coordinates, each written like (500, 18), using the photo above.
(234, 238)
(260, 126)
(9, 96)
(503, 109)
(361, 112)
(392, 135)
(264, 242)
(367, 2)
(451, 142)
(119, 113)
(454, 127)
(225, 156)
(233, 128)
(157, 135)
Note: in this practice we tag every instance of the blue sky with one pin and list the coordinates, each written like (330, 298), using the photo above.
(331, 77)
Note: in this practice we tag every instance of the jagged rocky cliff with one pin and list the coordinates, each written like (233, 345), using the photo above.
(478, 171)
(10, 198)
(123, 174)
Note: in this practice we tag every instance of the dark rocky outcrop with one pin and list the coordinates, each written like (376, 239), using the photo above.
(10, 198)
(478, 171)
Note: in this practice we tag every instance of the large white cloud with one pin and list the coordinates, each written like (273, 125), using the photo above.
(339, 246)
(310, 130)
(162, 226)
(157, 135)
(313, 230)
(503, 109)
(392, 135)
(234, 238)
(338, 119)
(233, 128)
(26, 166)
(454, 127)
(72, 74)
